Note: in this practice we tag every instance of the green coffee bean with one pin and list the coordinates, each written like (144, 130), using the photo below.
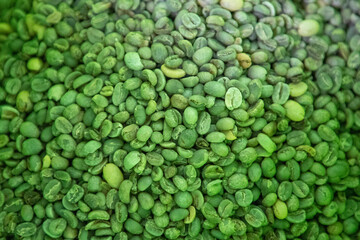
(25, 229)
(233, 98)
(113, 175)
(308, 27)
(244, 197)
(281, 93)
(256, 217)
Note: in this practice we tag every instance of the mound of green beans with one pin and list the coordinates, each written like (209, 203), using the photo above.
(180, 119)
